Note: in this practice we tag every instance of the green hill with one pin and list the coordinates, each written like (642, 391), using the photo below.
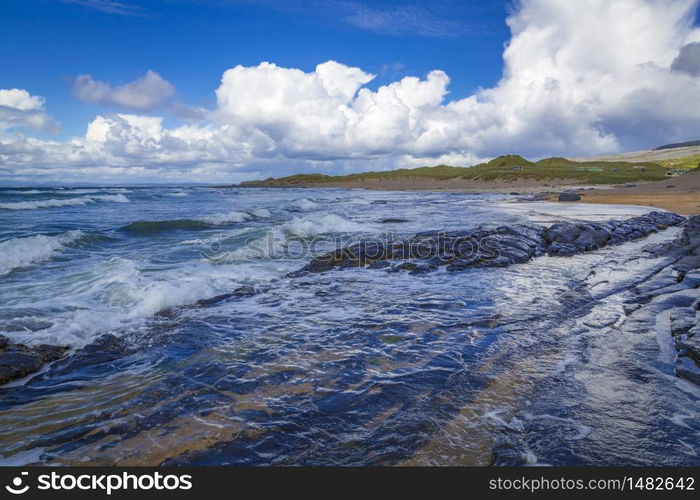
(503, 168)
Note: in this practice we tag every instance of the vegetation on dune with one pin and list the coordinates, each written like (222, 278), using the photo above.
(686, 162)
(507, 168)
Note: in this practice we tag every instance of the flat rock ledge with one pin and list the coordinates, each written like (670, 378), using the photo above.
(685, 319)
(500, 247)
(19, 360)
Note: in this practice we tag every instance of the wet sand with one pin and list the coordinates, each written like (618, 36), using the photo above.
(678, 194)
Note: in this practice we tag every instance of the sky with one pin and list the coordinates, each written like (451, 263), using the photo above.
(220, 91)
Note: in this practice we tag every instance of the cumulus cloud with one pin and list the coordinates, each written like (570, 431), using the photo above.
(143, 94)
(20, 109)
(613, 76)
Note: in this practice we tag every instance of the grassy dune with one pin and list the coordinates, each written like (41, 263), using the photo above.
(686, 162)
(503, 168)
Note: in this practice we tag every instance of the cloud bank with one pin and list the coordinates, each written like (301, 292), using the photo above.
(144, 94)
(609, 77)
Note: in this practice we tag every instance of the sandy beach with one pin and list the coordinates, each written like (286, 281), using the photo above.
(678, 194)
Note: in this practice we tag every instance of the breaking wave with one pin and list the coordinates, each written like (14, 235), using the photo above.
(23, 252)
(63, 202)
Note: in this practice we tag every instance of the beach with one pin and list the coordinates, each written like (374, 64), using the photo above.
(679, 194)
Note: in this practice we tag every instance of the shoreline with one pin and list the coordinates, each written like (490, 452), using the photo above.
(677, 194)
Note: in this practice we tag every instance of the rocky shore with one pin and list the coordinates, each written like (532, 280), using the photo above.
(503, 246)
(500, 247)
(674, 292)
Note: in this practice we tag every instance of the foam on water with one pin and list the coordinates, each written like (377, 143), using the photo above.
(23, 252)
(63, 202)
(305, 204)
(123, 293)
(313, 225)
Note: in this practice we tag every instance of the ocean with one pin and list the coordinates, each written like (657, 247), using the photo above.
(538, 363)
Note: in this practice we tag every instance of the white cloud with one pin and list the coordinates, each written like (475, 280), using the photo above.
(576, 81)
(146, 93)
(20, 109)
(20, 99)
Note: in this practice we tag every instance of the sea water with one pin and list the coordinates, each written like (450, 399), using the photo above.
(535, 363)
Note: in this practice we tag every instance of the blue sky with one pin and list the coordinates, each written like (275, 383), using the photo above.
(122, 91)
(48, 42)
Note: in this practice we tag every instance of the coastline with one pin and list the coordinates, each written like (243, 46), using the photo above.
(677, 194)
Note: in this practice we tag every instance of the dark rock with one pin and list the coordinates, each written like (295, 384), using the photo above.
(244, 291)
(423, 269)
(392, 220)
(18, 361)
(682, 320)
(50, 352)
(379, 202)
(406, 266)
(563, 232)
(380, 264)
(569, 197)
(3, 341)
(503, 246)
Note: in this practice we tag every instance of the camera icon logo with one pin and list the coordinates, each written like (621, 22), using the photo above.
(16, 487)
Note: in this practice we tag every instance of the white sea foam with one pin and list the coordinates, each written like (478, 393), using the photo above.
(320, 224)
(63, 202)
(262, 213)
(121, 292)
(218, 219)
(23, 252)
(305, 204)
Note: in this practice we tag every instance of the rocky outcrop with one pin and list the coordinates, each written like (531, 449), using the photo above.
(500, 247)
(19, 360)
(685, 321)
(569, 197)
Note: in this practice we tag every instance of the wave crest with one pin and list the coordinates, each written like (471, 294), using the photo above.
(23, 252)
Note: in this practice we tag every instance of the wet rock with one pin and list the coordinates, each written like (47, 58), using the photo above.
(244, 291)
(682, 320)
(569, 197)
(3, 341)
(685, 325)
(561, 249)
(19, 360)
(423, 269)
(500, 247)
(406, 266)
(392, 220)
(563, 232)
(50, 352)
(380, 264)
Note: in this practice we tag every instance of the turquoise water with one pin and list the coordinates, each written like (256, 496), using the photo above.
(535, 363)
